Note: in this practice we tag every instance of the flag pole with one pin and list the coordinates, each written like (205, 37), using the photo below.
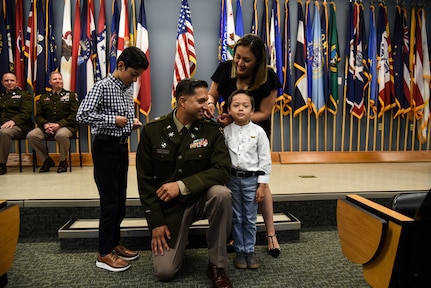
(291, 132)
(325, 135)
(317, 133)
(343, 127)
(350, 133)
(89, 138)
(138, 131)
(300, 132)
(382, 145)
(367, 132)
(391, 126)
(398, 134)
(406, 131)
(334, 131)
(359, 135)
(281, 130)
(272, 129)
(308, 129)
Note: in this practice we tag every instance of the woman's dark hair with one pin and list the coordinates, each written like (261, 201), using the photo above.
(257, 47)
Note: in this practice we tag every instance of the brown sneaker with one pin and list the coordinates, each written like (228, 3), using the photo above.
(112, 262)
(125, 254)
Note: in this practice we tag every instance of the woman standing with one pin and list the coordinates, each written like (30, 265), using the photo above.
(249, 71)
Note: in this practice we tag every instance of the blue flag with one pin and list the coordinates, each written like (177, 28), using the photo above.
(255, 19)
(287, 63)
(114, 37)
(239, 23)
(40, 76)
(309, 46)
(372, 64)
(401, 46)
(84, 75)
(264, 31)
(334, 59)
(318, 101)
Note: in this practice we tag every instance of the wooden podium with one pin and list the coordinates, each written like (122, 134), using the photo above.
(9, 231)
(376, 237)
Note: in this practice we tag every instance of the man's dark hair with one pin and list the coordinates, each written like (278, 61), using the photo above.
(241, 91)
(187, 87)
(133, 57)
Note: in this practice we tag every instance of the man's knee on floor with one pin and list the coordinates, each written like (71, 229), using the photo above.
(165, 273)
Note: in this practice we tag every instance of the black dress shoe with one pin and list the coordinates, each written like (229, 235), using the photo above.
(62, 166)
(218, 277)
(274, 252)
(48, 163)
(3, 169)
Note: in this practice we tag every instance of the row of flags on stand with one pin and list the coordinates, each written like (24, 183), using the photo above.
(310, 80)
(232, 28)
(317, 55)
(388, 74)
(87, 55)
(379, 76)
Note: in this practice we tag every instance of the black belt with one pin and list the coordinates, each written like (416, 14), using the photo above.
(120, 140)
(245, 174)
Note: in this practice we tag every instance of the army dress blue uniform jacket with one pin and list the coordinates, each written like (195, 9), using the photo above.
(200, 161)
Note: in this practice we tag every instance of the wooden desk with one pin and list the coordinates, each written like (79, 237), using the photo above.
(9, 231)
(376, 237)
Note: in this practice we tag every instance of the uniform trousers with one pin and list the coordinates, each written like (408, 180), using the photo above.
(244, 208)
(36, 138)
(6, 135)
(111, 162)
(216, 205)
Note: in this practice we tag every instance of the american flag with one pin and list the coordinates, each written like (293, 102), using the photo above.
(185, 56)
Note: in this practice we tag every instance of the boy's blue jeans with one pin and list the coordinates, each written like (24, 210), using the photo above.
(244, 215)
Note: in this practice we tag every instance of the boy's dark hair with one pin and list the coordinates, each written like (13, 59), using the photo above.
(187, 87)
(133, 57)
(241, 91)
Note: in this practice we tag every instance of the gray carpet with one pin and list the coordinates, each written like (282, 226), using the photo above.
(315, 260)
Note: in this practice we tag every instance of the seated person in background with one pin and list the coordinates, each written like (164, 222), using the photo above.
(249, 150)
(55, 117)
(182, 166)
(16, 107)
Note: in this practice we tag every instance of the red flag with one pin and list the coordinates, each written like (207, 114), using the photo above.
(123, 30)
(19, 55)
(142, 88)
(75, 44)
(185, 56)
(385, 68)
